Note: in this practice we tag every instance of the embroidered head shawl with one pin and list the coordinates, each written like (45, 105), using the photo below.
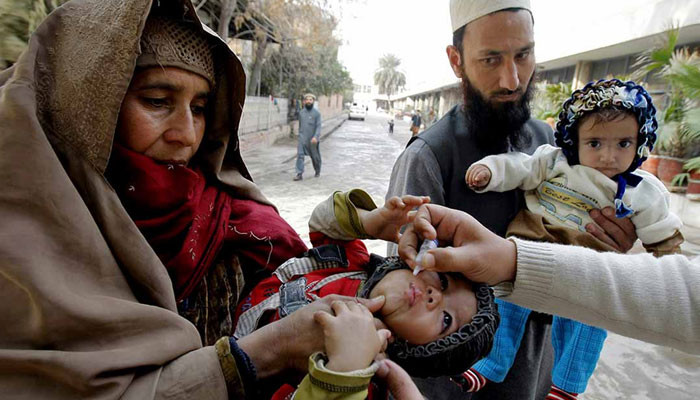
(166, 42)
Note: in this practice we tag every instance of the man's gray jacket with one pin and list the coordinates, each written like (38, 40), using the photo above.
(309, 124)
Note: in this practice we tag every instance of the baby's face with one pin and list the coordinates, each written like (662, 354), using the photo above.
(423, 308)
(609, 146)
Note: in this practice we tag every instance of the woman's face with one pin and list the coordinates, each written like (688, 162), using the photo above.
(163, 114)
(424, 308)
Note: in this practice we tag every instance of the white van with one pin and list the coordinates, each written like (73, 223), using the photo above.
(357, 111)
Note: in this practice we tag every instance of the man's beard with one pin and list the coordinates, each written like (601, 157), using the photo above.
(309, 106)
(495, 125)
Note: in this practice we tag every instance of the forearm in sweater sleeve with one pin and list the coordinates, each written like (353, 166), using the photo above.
(651, 299)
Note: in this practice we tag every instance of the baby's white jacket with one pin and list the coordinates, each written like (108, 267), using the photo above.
(565, 194)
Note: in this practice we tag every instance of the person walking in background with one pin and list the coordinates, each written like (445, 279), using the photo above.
(309, 137)
(416, 120)
(431, 118)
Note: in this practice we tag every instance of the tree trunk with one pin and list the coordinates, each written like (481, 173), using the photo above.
(227, 8)
(257, 64)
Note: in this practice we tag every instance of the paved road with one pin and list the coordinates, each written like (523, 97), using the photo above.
(361, 154)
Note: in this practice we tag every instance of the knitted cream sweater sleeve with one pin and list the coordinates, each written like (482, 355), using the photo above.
(656, 300)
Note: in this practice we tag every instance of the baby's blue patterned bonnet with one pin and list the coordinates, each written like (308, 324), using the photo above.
(610, 93)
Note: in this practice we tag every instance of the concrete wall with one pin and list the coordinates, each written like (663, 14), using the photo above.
(330, 106)
(262, 113)
(264, 119)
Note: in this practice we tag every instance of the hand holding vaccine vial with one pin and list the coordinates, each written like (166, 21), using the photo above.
(427, 245)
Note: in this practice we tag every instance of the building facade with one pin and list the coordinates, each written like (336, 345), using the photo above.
(606, 46)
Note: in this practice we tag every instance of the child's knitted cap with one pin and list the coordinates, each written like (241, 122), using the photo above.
(452, 354)
(610, 93)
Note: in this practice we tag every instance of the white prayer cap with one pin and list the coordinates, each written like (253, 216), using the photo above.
(463, 12)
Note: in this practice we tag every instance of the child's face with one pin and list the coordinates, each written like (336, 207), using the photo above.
(424, 308)
(609, 146)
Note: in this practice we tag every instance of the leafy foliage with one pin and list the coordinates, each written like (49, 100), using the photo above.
(549, 99)
(306, 58)
(692, 165)
(656, 58)
(683, 72)
(293, 70)
(679, 125)
(693, 123)
(680, 179)
(18, 19)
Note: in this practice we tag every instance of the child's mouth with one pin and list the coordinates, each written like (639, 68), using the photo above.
(413, 293)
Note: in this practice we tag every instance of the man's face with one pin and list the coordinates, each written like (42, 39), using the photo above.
(610, 146)
(498, 55)
(424, 308)
(308, 101)
(163, 114)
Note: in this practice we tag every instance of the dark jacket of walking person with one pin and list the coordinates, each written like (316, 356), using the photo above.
(416, 122)
(309, 137)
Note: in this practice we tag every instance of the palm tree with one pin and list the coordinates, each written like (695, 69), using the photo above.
(683, 72)
(666, 61)
(388, 77)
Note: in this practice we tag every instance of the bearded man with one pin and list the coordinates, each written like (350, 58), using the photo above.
(309, 137)
(493, 55)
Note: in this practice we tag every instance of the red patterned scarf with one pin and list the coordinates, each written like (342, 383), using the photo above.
(187, 221)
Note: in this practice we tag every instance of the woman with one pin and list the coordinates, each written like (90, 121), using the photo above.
(126, 200)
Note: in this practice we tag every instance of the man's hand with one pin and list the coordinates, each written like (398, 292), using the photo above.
(385, 222)
(288, 342)
(479, 254)
(314, 140)
(351, 339)
(619, 233)
(478, 176)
